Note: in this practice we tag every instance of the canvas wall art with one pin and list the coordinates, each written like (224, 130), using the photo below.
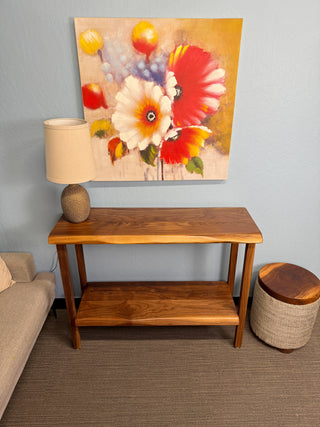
(159, 95)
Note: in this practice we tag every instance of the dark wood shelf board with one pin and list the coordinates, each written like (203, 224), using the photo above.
(159, 226)
(156, 304)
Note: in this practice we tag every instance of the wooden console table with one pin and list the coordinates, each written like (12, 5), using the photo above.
(157, 303)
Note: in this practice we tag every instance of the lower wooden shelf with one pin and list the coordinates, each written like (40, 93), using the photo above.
(156, 304)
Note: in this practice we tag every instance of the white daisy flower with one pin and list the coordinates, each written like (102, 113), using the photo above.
(142, 113)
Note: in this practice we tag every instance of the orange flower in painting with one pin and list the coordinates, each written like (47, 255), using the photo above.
(142, 113)
(117, 149)
(195, 84)
(181, 144)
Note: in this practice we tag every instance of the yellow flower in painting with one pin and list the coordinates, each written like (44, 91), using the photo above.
(142, 114)
(101, 128)
(90, 41)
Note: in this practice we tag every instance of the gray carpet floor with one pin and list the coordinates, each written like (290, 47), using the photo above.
(165, 376)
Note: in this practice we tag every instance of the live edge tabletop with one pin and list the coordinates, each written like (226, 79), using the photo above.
(157, 303)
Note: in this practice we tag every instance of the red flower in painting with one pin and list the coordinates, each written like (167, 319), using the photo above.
(195, 83)
(93, 97)
(181, 144)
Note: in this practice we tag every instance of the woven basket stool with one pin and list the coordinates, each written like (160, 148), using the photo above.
(285, 305)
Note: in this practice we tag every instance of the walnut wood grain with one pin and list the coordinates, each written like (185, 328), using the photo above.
(81, 266)
(232, 265)
(68, 294)
(159, 225)
(244, 293)
(161, 303)
(157, 304)
(289, 283)
(286, 351)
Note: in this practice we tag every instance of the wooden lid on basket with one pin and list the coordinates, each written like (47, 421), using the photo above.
(289, 283)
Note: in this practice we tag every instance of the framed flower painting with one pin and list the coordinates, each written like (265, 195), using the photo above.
(159, 95)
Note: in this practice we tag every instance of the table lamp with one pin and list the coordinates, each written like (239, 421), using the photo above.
(69, 160)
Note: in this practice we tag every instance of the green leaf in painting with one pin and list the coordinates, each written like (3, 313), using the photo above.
(195, 165)
(149, 154)
(100, 133)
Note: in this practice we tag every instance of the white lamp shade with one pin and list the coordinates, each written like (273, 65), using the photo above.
(69, 158)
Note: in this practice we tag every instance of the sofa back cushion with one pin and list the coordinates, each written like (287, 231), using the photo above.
(5, 276)
(20, 264)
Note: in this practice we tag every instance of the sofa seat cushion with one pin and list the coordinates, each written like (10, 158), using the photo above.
(23, 310)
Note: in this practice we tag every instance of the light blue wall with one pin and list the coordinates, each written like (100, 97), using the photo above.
(275, 151)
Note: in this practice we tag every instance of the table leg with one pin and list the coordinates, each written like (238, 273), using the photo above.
(232, 265)
(81, 267)
(244, 294)
(68, 294)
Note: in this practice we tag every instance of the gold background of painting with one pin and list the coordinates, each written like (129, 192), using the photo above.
(220, 37)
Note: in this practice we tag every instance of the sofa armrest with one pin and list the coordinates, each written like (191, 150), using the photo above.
(20, 264)
(46, 277)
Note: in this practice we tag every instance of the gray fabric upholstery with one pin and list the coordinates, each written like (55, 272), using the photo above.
(23, 310)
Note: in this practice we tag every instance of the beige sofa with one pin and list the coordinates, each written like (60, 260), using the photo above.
(23, 309)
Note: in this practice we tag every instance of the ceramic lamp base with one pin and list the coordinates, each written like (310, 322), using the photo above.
(75, 203)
